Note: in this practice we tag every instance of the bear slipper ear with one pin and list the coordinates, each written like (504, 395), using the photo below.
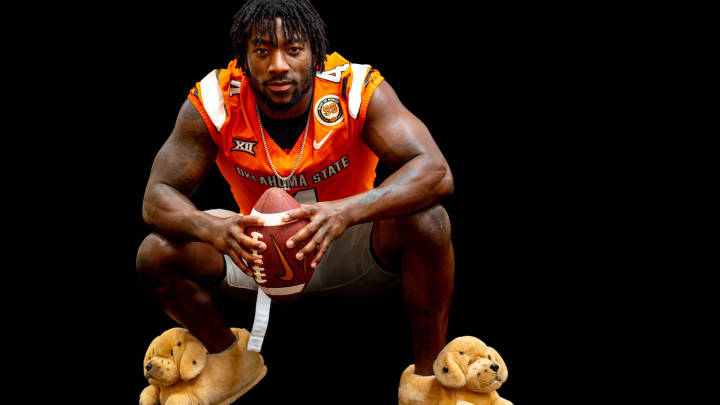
(447, 371)
(194, 358)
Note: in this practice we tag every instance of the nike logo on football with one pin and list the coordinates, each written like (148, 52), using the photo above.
(289, 275)
(318, 145)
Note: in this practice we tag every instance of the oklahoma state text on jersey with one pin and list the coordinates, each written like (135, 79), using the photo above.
(336, 162)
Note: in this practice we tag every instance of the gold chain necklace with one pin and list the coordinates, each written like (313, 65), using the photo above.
(283, 180)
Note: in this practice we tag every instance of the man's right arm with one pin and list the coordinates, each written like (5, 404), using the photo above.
(179, 168)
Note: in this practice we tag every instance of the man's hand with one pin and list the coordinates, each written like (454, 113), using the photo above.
(228, 236)
(328, 221)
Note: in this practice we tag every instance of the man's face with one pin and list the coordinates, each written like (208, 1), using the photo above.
(281, 75)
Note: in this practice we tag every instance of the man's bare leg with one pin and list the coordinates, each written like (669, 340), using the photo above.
(420, 244)
(177, 274)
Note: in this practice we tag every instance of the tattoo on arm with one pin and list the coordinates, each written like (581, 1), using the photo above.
(374, 195)
(181, 165)
(187, 156)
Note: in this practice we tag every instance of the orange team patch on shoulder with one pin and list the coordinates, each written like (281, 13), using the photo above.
(328, 110)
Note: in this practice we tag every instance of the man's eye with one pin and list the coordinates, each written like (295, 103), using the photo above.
(261, 51)
(295, 49)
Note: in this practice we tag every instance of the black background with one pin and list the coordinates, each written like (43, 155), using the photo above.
(512, 96)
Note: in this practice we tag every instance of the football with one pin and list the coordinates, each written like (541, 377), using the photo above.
(281, 277)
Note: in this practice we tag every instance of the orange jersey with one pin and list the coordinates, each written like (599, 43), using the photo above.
(336, 162)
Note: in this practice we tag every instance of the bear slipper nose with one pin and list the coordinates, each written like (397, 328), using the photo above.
(494, 367)
(148, 367)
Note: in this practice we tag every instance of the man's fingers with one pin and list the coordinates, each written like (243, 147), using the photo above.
(313, 244)
(245, 254)
(294, 214)
(303, 234)
(247, 241)
(248, 220)
(319, 244)
(305, 211)
(309, 247)
(235, 248)
(236, 259)
(324, 246)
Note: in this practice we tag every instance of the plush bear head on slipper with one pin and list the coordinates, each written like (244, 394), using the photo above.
(174, 355)
(181, 371)
(466, 372)
(467, 362)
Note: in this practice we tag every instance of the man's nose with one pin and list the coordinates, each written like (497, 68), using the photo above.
(278, 63)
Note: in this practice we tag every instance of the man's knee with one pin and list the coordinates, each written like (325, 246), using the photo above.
(155, 259)
(159, 260)
(429, 227)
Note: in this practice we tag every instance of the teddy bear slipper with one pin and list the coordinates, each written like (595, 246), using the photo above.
(181, 372)
(466, 372)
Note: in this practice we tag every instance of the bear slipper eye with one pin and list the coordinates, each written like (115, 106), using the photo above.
(171, 352)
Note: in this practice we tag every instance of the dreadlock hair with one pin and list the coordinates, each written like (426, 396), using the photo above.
(300, 22)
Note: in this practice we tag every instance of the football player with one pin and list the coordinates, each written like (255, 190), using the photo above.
(284, 113)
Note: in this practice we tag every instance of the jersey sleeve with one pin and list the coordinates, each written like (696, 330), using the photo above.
(362, 82)
(207, 97)
(370, 83)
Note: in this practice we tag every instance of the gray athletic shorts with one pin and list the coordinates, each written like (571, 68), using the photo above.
(348, 268)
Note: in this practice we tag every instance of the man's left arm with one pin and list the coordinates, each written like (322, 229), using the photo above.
(420, 179)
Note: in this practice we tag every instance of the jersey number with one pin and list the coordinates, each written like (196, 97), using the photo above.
(333, 75)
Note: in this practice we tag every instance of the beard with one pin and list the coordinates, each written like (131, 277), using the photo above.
(281, 107)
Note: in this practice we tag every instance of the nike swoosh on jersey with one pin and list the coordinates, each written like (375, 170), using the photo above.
(318, 145)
